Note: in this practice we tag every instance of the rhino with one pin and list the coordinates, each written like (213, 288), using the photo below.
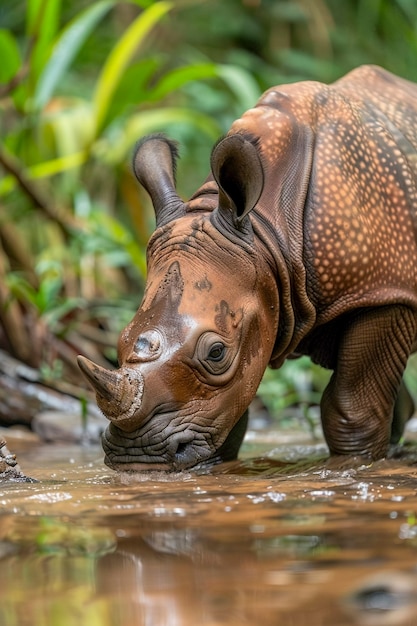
(301, 241)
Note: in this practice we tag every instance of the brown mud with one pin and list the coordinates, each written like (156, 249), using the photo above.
(275, 538)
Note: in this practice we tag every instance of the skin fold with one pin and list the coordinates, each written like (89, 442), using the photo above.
(302, 240)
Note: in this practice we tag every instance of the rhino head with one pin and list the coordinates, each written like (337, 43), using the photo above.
(191, 359)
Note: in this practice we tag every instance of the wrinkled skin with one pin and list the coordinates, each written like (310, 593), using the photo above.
(176, 341)
(301, 241)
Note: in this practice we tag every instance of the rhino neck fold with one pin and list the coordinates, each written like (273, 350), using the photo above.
(297, 314)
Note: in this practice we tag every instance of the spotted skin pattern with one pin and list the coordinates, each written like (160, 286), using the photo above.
(302, 240)
(358, 222)
(338, 213)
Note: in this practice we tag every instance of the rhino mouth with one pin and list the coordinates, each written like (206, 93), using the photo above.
(165, 445)
(140, 452)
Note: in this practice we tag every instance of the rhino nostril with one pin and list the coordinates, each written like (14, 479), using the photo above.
(185, 455)
(181, 450)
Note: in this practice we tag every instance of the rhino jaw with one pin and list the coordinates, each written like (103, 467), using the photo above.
(118, 392)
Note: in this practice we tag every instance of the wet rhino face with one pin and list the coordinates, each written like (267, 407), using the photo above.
(194, 354)
(190, 360)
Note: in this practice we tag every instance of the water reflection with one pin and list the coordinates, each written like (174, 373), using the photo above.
(263, 541)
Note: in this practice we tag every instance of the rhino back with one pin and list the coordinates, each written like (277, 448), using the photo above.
(340, 198)
(339, 205)
(393, 97)
(361, 215)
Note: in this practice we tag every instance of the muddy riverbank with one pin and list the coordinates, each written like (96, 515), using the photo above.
(276, 537)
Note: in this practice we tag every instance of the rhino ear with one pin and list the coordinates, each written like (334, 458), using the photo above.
(237, 169)
(154, 164)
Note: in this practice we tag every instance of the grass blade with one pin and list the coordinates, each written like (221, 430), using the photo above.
(121, 56)
(9, 53)
(42, 25)
(181, 76)
(66, 48)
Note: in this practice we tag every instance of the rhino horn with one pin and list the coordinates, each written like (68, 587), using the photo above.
(154, 164)
(119, 392)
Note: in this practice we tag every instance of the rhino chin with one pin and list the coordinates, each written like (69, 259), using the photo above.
(133, 452)
(167, 449)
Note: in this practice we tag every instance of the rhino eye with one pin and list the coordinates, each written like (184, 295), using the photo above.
(148, 345)
(217, 351)
(213, 354)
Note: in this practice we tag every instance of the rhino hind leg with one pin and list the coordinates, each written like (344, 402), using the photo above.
(358, 404)
(403, 410)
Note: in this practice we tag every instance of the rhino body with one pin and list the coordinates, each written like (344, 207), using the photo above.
(301, 241)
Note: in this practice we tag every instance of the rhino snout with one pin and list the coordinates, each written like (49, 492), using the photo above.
(119, 392)
(162, 447)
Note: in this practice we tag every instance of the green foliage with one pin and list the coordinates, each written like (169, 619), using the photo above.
(46, 298)
(66, 181)
(410, 377)
(9, 52)
(297, 383)
(65, 49)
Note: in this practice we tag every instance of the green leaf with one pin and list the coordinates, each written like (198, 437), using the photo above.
(179, 77)
(241, 83)
(47, 294)
(148, 121)
(138, 74)
(9, 55)
(42, 25)
(42, 17)
(66, 48)
(145, 122)
(21, 289)
(121, 56)
(121, 241)
(59, 308)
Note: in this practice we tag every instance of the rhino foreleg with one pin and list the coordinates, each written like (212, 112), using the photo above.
(358, 404)
(230, 448)
(404, 409)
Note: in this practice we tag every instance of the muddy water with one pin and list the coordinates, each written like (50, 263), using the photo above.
(275, 539)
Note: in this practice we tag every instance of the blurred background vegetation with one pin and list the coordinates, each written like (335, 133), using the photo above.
(80, 83)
